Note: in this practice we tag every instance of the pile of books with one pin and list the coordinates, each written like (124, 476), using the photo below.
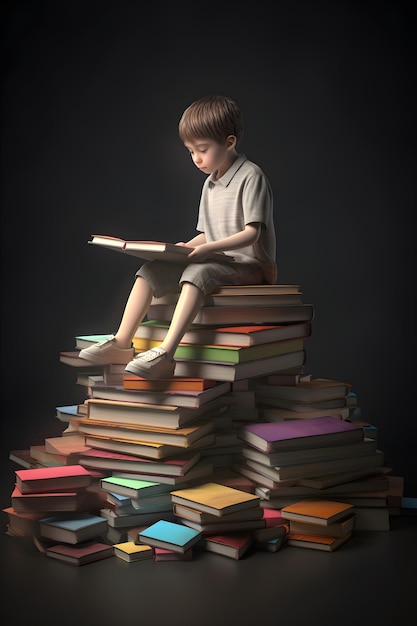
(239, 385)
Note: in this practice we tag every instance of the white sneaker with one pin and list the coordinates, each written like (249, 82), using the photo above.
(152, 364)
(106, 353)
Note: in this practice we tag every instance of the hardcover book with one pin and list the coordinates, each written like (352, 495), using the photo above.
(170, 535)
(180, 437)
(316, 542)
(148, 414)
(69, 477)
(300, 434)
(115, 461)
(72, 528)
(131, 552)
(150, 250)
(244, 336)
(133, 487)
(81, 554)
(316, 511)
(215, 498)
(232, 545)
(245, 314)
(235, 354)
(239, 371)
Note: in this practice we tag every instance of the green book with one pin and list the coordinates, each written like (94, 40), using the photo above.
(235, 354)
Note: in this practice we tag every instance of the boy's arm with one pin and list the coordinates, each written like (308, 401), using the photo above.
(244, 238)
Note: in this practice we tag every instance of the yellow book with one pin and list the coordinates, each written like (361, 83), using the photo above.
(130, 551)
(215, 498)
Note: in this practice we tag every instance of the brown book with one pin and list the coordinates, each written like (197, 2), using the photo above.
(320, 512)
(233, 545)
(316, 542)
(245, 314)
(335, 529)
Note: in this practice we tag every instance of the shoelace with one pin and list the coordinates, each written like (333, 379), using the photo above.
(151, 354)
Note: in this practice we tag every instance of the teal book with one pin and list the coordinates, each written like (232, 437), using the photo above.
(170, 536)
(236, 354)
(132, 487)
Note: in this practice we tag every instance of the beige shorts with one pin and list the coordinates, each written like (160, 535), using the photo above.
(169, 277)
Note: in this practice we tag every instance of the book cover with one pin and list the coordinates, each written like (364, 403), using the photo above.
(82, 554)
(318, 468)
(115, 461)
(244, 336)
(316, 542)
(247, 314)
(170, 535)
(148, 414)
(161, 554)
(239, 371)
(183, 398)
(179, 437)
(150, 250)
(314, 390)
(232, 545)
(131, 552)
(300, 434)
(52, 478)
(72, 528)
(167, 384)
(335, 529)
(235, 354)
(133, 487)
(305, 455)
(214, 498)
(320, 512)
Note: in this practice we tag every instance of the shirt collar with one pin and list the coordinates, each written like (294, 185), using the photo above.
(228, 176)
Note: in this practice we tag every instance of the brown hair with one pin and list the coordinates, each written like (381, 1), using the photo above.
(211, 117)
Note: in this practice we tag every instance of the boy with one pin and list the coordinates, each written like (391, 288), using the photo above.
(235, 217)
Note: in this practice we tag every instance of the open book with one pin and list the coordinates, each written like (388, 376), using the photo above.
(152, 250)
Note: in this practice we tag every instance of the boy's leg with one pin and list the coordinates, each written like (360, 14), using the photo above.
(158, 362)
(119, 349)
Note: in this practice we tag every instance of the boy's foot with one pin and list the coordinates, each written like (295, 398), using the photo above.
(106, 353)
(152, 364)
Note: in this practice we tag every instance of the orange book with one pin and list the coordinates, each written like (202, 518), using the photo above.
(321, 512)
(168, 384)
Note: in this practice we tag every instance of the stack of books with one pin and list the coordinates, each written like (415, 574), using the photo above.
(319, 524)
(223, 419)
(323, 457)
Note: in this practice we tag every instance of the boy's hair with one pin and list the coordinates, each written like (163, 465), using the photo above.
(211, 117)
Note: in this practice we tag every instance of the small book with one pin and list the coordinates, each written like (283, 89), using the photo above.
(320, 512)
(150, 250)
(167, 384)
(161, 554)
(232, 545)
(81, 554)
(133, 487)
(215, 498)
(60, 478)
(170, 535)
(130, 551)
(316, 542)
(271, 545)
(72, 528)
(335, 529)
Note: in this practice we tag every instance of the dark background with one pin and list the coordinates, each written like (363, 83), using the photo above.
(91, 97)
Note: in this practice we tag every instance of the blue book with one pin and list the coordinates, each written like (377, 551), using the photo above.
(169, 535)
(72, 528)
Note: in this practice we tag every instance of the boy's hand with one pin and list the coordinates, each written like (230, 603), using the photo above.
(201, 252)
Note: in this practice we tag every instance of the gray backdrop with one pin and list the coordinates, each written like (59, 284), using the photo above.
(92, 94)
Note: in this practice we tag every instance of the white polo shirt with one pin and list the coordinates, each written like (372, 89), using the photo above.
(240, 197)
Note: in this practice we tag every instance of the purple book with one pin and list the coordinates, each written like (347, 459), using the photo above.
(307, 433)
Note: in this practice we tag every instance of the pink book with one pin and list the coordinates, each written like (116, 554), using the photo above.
(53, 478)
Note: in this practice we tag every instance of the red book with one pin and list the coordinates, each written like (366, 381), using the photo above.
(49, 502)
(59, 478)
(82, 554)
(232, 545)
(117, 462)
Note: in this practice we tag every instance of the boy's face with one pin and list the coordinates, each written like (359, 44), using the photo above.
(209, 156)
